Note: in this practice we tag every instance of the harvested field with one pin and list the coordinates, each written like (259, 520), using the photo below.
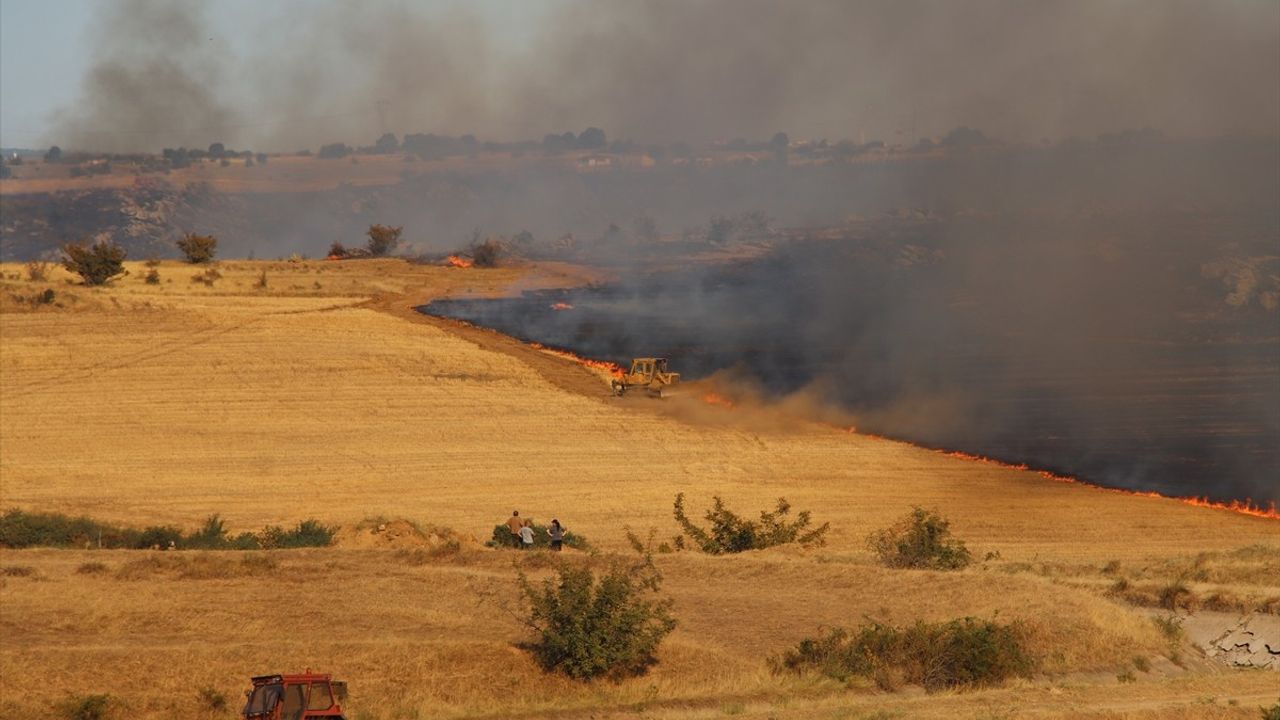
(325, 395)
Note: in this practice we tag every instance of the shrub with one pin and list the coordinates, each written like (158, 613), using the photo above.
(152, 277)
(213, 700)
(208, 277)
(590, 628)
(730, 533)
(501, 538)
(959, 653)
(19, 529)
(1271, 713)
(37, 270)
(18, 571)
(85, 707)
(261, 282)
(308, 533)
(486, 254)
(198, 249)
(91, 568)
(1170, 626)
(95, 264)
(921, 539)
(382, 239)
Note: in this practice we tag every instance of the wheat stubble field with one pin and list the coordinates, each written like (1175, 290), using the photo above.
(322, 395)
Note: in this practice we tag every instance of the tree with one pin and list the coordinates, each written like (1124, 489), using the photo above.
(383, 239)
(217, 150)
(610, 627)
(334, 150)
(386, 144)
(96, 263)
(731, 533)
(592, 139)
(198, 248)
(54, 155)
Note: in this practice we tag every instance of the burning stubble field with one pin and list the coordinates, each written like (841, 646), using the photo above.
(321, 394)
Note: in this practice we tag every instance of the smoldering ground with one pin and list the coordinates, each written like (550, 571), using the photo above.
(1083, 321)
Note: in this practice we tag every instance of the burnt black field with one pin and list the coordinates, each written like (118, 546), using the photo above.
(1109, 349)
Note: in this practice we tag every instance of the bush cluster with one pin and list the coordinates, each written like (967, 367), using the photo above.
(921, 539)
(383, 239)
(588, 627)
(20, 529)
(730, 533)
(501, 538)
(938, 656)
(96, 263)
(1271, 713)
(198, 249)
(85, 707)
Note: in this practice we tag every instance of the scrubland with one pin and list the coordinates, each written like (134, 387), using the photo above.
(321, 394)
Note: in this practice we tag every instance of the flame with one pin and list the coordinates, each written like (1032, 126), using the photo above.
(712, 398)
(458, 261)
(612, 368)
(561, 306)
(336, 257)
(1247, 507)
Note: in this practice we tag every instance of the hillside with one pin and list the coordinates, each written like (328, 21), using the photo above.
(323, 395)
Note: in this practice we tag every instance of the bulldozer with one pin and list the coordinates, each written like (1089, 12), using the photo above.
(649, 374)
(295, 697)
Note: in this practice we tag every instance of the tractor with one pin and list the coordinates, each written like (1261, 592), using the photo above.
(648, 373)
(295, 697)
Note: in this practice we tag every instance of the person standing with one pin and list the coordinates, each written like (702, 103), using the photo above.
(514, 524)
(526, 535)
(556, 531)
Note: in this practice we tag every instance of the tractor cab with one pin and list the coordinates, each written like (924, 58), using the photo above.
(295, 697)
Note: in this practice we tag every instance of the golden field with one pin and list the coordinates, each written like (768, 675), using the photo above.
(323, 395)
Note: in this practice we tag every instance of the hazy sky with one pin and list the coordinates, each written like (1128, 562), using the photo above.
(286, 74)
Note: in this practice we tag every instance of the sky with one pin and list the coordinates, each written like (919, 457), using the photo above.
(282, 75)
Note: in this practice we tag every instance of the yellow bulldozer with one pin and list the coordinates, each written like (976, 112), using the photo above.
(647, 374)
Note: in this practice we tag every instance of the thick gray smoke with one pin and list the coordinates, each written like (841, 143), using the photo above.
(663, 71)
(156, 80)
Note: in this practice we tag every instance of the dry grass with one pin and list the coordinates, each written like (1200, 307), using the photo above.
(269, 405)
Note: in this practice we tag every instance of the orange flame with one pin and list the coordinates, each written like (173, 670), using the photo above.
(612, 368)
(458, 261)
(712, 398)
(561, 306)
(1247, 507)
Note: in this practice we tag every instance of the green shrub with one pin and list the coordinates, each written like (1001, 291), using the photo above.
(939, 656)
(1271, 713)
(20, 529)
(95, 264)
(308, 533)
(730, 533)
(588, 627)
(85, 707)
(921, 539)
(213, 700)
(501, 538)
(198, 248)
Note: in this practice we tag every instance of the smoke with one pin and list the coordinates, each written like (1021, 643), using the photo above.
(155, 80)
(1101, 310)
(321, 72)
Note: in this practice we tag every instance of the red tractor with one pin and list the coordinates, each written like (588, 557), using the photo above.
(295, 697)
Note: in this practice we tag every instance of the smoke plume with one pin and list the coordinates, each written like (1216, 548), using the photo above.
(320, 72)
